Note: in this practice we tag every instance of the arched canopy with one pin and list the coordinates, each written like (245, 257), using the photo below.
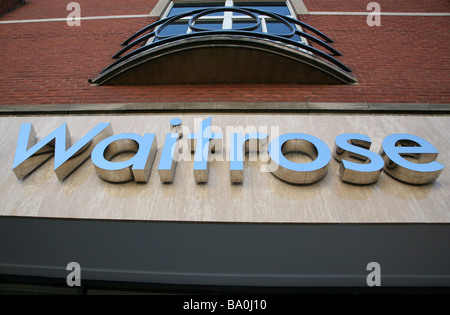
(243, 55)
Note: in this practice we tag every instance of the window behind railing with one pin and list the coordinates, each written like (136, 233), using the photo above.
(223, 20)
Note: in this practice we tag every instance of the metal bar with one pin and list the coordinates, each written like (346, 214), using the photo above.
(279, 38)
(312, 29)
(232, 32)
(140, 32)
(300, 33)
(318, 41)
(137, 41)
(168, 19)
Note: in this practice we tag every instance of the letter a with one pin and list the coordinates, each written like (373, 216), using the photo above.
(374, 278)
(374, 18)
(74, 17)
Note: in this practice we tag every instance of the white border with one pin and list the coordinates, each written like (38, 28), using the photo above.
(108, 17)
(381, 13)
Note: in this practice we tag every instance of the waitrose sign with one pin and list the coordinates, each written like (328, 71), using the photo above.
(406, 157)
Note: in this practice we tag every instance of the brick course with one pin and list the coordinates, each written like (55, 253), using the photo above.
(416, 6)
(45, 9)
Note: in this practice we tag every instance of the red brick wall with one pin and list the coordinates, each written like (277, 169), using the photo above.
(44, 9)
(386, 5)
(405, 60)
(8, 5)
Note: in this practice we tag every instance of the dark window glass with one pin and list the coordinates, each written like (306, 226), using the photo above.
(237, 25)
(178, 28)
(277, 28)
(210, 25)
(182, 8)
(280, 8)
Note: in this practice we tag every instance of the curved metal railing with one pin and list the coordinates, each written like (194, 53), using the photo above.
(156, 28)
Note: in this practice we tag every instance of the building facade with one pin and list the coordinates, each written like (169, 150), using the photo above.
(125, 131)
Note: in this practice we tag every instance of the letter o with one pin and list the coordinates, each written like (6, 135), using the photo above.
(299, 173)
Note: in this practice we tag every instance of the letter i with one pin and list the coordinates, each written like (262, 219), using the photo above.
(169, 156)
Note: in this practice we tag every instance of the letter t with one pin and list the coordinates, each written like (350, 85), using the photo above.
(203, 146)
